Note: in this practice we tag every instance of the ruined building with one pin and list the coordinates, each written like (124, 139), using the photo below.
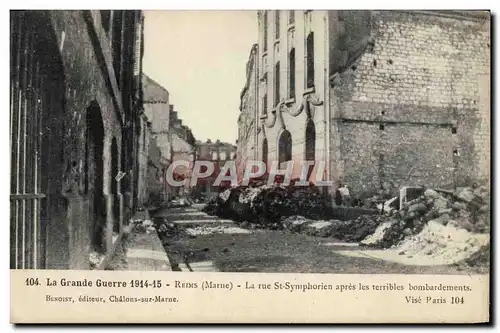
(75, 129)
(157, 109)
(217, 153)
(382, 98)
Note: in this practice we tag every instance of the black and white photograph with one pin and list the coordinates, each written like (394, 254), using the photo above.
(251, 141)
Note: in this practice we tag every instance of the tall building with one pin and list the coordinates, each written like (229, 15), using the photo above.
(75, 126)
(382, 99)
(248, 123)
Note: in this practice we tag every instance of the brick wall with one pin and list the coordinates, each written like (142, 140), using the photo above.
(409, 109)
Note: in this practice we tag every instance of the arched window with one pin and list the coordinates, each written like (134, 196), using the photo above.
(285, 147)
(310, 144)
(291, 73)
(310, 60)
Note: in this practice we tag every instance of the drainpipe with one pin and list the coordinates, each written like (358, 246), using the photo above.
(326, 96)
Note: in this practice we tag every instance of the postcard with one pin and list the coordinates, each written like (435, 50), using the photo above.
(250, 166)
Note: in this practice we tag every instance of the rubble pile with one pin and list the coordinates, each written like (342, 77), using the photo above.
(95, 259)
(266, 205)
(444, 242)
(168, 231)
(144, 226)
(463, 209)
(350, 231)
(358, 229)
(479, 258)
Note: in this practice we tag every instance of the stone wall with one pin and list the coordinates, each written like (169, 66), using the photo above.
(308, 103)
(85, 54)
(412, 108)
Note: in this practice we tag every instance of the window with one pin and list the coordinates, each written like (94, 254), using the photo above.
(277, 24)
(222, 155)
(310, 144)
(264, 104)
(291, 73)
(310, 60)
(264, 152)
(214, 155)
(285, 147)
(291, 17)
(265, 31)
(277, 83)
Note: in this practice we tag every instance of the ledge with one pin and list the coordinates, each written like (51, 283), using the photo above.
(264, 53)
(291, 27)
(290, 101)
(276, 41)
(264, 116)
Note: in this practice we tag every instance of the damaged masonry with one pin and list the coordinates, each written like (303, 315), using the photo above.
(361, 144)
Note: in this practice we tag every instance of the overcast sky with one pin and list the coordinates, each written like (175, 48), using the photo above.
(200, 58)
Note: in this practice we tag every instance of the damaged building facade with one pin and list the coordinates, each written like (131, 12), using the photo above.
(382, 98)
(75, 125)
(217, 153)
(157, 109)
(183, 149)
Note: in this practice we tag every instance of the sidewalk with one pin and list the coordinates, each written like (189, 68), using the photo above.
(145, 251)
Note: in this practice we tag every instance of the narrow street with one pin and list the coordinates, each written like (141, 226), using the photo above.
(206, 243)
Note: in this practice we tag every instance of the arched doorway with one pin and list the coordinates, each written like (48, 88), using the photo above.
(95, 168)
(285, 147)
(37, 89)
(310, 144)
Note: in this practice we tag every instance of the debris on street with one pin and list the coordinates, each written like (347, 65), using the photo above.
(448, 226)
(267, 204)
(96, 259)
(442, 225)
